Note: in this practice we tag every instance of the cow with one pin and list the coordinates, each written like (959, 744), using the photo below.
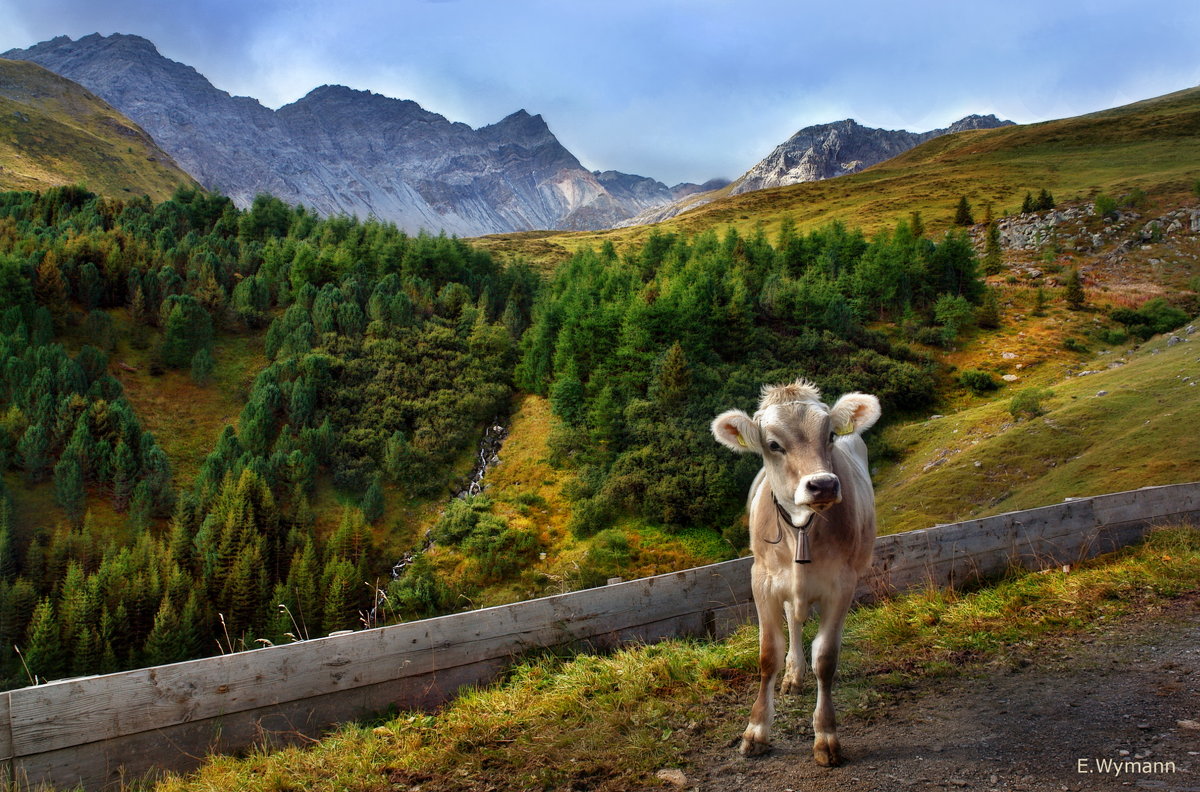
(812, 532)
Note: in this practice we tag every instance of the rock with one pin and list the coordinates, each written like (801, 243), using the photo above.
(1010, 377)
(673, 776)
(1009, 355)
(1173, 340)
(1102, 393)
(1190, 329)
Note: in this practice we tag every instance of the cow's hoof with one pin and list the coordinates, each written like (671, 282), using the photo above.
(827, 752)
(753, 747)
(790, 687)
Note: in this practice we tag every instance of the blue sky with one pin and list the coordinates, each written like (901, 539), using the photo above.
(680, 90)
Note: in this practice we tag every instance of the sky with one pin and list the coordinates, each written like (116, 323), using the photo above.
(679, 90)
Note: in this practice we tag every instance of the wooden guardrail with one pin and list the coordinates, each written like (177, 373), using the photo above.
(100, 731)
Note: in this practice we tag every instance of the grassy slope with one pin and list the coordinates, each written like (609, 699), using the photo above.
(1138, 434)
(53, 132)
(1154, 145)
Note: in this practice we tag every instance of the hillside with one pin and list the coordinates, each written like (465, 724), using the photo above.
(53, 132)
(1106, 423)
(1150, 145)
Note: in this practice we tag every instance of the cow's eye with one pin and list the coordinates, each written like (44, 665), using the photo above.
(778, 449)
(832, 436)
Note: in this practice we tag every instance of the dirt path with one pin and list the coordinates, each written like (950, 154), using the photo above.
(1110, 704)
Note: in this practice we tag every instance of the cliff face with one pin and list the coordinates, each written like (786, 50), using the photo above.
(339, 150)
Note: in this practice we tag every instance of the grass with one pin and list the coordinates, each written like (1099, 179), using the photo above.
(1084, 444)
(53, 132)
(609, 722)
(1151, 145)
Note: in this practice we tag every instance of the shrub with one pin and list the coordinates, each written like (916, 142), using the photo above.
(977, 381)
(1028, 403)
(1074, 345)
(1106, 206)
(1156, 316)
(1111, 337)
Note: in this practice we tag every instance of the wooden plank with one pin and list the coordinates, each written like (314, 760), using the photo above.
(115, 763)
(1148, 503)
(100, 708)
(6, 765)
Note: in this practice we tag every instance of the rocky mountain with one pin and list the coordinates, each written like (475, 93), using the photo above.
(828, 150)
(53, 132)
(339, 150)
(812, 154)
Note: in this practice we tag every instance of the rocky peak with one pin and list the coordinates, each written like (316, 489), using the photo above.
(824, 151)
(529, 130)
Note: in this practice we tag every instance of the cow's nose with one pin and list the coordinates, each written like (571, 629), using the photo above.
(823, 488)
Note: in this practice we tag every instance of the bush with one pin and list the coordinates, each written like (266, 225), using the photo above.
(1028, 403)
(977, 381)
(1106, 206)
(1074, 345)
(1111, 337)
(1156, 316)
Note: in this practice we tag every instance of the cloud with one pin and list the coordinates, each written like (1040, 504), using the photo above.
(674, 89)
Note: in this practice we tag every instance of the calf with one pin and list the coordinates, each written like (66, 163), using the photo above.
(812, 530)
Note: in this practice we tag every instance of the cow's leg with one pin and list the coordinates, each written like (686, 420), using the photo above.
(757, 738)
(793, 670)
(826, 646)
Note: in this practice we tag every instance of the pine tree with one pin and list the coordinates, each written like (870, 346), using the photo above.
(372, 501)
(988, 315)
(1074, 291)
(44, 653)
(34, 448)
(68, 488)
(675, 377)
(1027, 205)
(962, 213)
(916, 225)
(202, 366)
(125, 473)
(163, 644)
(397, 457)
(993, 264)
(49, 288)
(1044, 200)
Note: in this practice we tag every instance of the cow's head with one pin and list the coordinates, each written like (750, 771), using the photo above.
(794, 432)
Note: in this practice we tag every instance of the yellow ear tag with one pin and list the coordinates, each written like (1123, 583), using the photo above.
(845, 429)
(742, 441)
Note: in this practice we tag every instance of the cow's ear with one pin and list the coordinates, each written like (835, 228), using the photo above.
(854, 413)
(734, 429)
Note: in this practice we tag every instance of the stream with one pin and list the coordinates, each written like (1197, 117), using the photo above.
(487, 456)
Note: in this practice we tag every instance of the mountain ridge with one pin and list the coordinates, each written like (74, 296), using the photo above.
(340, 150)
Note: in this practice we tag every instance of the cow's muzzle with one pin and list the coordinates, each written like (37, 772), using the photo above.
(819, 491)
